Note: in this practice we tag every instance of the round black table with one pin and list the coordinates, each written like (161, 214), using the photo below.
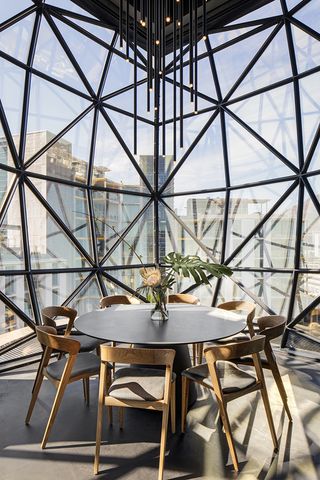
(186, 324)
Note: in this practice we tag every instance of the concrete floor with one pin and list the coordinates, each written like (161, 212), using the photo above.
(133, 452)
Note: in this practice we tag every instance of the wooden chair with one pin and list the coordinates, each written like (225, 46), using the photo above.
(87, 344)
(191, 300)
(137, 387)
(242, 306)
(118, 300)
(271, 326)
(61, 372)
(229, 382)
(183, 298)
(235, 306)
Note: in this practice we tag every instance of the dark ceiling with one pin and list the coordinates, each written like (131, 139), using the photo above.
(219, 13)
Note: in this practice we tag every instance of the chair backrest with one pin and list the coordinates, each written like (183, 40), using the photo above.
(48, 338)
(235, 350)
(272, 326)
(118, 300)
(244, 306)
(183, 298)
(49, 313)
(138, 356)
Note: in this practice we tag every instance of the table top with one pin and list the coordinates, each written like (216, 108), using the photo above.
(186, 324)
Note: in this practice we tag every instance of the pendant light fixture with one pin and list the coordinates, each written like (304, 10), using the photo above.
(166, 26)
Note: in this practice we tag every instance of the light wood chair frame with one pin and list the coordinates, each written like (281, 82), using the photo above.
(106, 302)
(137, 356)
(49, 339)
(49, 313)
(235, 305)
(229, 352)
(190, 300)
(271, 326)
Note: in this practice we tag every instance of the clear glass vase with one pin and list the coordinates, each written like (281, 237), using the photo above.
(160, 311)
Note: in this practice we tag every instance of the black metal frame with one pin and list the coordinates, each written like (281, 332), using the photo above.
(156, 195)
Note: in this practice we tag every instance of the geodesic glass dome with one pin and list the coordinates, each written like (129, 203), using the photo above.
(243, 191)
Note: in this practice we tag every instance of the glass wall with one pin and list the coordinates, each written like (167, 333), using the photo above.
(243, 190)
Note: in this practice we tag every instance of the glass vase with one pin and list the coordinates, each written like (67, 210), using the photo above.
(160, 311)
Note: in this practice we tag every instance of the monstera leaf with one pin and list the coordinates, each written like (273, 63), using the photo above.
(192, 265)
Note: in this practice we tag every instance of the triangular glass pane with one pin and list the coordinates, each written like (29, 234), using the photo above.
(271, 9)
(273, 246)
(49, 245)
(307, 292)
(15, 40)
(310, 107)
(117, 170)
(310, 235)
(88, 298)
(120, 75)
(272, 288)
(113, 213)
(206, 86)
(11, 238)
(103, 33)
(71, 7)
(315, 161)
(51, 109)
(125, 102)
(246, 209)
(309, 15)
(90, 55)
(11, 94)
(128, 276)
(231, 61)
(5, 157)
(292, 3)
(9, 9)
(175, 238)
(224, 36)
(249, 160)
(273, 65)
(68, 158)
(307, 49)
(139, 241)
(192, 127)
(203, 215)
(272, 115)
(71, 205)
(206, 159)
(55, 288)
(51, 58)
(16, 289)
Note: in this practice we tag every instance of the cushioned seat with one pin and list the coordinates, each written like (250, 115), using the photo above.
(85, 363)
(240, 337)
(87, 344)
(232, 378)
(138, 383)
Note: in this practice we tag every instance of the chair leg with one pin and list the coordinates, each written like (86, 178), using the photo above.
(194, 354)
(121, 417)
(265, 399)
(62, 386)
(277, 377)
(164, 428)
(35, 393)
(173, 407)
(200, 352)
(227, 428)
(86, 390)
(184, 401)
(102, 387)
(38, 382)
